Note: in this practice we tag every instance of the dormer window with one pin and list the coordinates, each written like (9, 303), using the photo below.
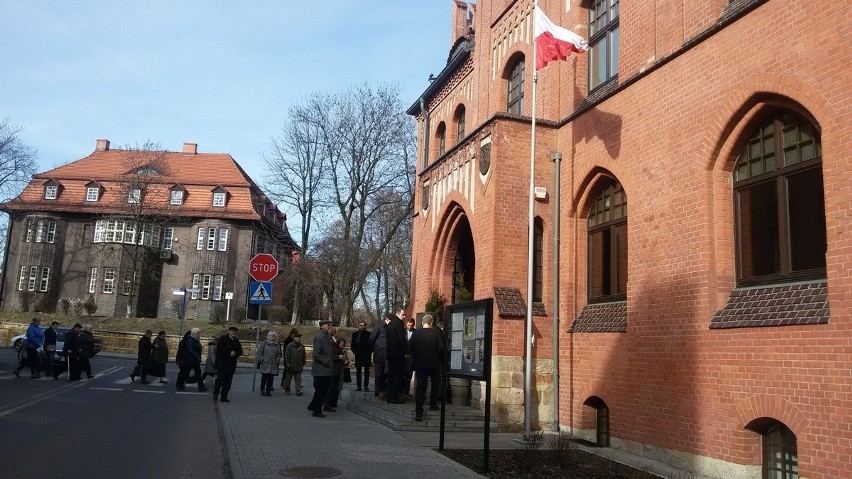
(176, 198)
(50, 192)
(134, 196)
(92, 193)
(219, 199)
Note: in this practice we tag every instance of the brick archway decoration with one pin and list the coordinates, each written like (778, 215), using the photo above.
(775, 407)
(446, 243)
(736, 110)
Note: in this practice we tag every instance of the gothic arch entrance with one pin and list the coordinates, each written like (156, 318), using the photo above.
(455, 261)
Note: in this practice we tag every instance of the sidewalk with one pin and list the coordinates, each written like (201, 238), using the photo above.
(267, 436)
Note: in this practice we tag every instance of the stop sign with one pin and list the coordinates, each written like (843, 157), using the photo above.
(263, 267)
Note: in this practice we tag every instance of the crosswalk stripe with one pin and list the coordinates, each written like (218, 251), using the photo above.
(149, 392)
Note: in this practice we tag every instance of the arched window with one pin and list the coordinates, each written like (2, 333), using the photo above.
(779, 203)
(603, 41)
(538, 261)
(780, 459)
(608, 245)
(515, 96)
(459, 124)
(441, 135)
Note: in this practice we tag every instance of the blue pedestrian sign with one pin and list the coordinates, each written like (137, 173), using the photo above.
(260, 292)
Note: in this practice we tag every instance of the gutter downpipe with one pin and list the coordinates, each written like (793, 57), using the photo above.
(557, 161)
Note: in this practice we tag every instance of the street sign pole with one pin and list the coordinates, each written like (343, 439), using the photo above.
(256, 342)
(182, 313)
(263, 268)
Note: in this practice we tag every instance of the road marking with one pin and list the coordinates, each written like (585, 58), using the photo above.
(64, 386)
(191, 392)
(107, 389)
(149, 392)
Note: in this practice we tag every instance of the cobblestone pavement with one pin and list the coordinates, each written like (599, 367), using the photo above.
(275, 436)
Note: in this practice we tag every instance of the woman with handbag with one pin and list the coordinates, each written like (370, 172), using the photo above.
(160, 356)
(268, 356)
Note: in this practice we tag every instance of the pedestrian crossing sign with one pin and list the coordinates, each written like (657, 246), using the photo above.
(260, 292)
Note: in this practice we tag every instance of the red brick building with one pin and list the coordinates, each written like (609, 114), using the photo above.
(704, 255)
(131, 226)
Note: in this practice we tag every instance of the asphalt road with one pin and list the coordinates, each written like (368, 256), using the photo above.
(106, 426)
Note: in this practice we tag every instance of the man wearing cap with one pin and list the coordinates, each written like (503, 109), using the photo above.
(322, 367)
(228, 349)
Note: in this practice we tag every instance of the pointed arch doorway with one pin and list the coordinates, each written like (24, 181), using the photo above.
(455, 261)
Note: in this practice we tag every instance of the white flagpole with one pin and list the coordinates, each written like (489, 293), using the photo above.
(528, 336)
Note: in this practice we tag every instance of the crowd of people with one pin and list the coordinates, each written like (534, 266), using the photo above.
(39, 348)
(396, 350)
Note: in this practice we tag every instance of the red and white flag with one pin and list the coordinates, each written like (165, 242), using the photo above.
(553, 42)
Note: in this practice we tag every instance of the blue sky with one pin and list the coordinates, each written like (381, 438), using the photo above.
(220, 74)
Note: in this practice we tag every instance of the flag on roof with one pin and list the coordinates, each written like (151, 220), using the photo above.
(553, 42)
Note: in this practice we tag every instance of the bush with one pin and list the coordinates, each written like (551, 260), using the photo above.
(43, 304)
(276, 314)
(90, 306)
(217, 314)
(26, 299)
(65, 305)
(78, 306)
(561, 443)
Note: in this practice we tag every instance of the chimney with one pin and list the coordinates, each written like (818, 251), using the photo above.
(191, 148)
(460, 22)
(102, 145)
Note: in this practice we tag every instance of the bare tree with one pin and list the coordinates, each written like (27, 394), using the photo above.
(17, 165)
(133, 230)
(366, 140)
(297, 174)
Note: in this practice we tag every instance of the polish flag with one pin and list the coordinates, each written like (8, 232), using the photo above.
(553, 42)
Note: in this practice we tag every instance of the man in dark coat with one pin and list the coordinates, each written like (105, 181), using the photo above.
(378, 343)
(321, 369)
(72, 350)
(397, 350)
(427, 352)
(87, 350)
(228, 349)
(191, 360)
(361, 349)
(144, 357)
(50, 346)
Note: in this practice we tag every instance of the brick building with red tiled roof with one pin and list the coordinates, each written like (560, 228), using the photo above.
(707, 321)
(137, 223)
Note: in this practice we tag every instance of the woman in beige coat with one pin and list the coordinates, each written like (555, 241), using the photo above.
(268, 356)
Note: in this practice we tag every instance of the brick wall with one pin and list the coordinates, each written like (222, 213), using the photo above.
(676, 389)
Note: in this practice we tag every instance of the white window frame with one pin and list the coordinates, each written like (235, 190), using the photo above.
(176, 198)
(134, 196)
(50, 236)
(30, 230)
(22, 282)
(44, 284)
(39, 237)
(196, 279)
(211, 239)
(202, 236)
(218, 283)
(223, 239)
(92, 193)
(50, 192)
(31, 286)
(168, 237)
(205, 286)
(93, 279)
(109, 281)
(219, 199)
(125, 282)
(100, 226)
